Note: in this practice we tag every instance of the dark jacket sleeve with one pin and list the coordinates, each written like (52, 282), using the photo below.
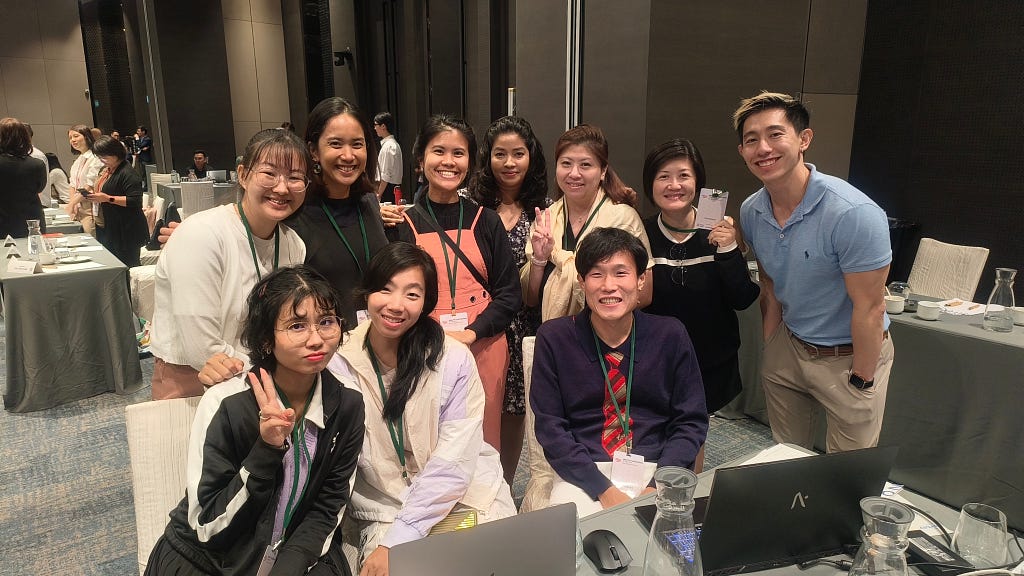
(502, 275)
(740, 290)
(324, 506)
(687, 429)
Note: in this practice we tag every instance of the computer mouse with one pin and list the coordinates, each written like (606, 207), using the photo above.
(606, 551)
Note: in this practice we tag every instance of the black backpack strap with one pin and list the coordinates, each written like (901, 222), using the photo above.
(455, 247)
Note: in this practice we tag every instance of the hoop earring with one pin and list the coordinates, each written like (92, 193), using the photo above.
(316, 168)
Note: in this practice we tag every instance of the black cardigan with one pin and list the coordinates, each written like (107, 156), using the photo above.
(124, 228)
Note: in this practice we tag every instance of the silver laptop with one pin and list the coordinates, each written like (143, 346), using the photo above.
(217, 175)
(541, 542)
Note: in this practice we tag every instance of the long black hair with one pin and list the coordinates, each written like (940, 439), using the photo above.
(534, 191)
(283, 287)
(323, 113)
(422, 344)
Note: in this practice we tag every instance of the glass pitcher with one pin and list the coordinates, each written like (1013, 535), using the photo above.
(35, 239)
(884, 538)
(998, 311)
(672, 547)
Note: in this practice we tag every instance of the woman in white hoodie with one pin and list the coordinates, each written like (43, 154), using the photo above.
(424, 459)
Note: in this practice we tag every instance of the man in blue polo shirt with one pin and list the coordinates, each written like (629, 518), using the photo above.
(823, 250)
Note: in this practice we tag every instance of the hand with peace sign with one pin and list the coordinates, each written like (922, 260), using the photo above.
(276, 422)
(540, 238)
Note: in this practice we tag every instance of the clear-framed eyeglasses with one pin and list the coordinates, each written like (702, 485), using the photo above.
(269, 180)
(298, 331)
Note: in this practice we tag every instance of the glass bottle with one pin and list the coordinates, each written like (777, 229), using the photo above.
(175, 177)
(191, 175)
(883, 538)
(672, 547)
(998, 313)
(35, 239)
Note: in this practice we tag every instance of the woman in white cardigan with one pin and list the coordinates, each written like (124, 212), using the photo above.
(424, 460)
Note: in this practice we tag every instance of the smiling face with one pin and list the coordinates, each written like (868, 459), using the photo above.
(77, 141)
(266, 205)
(612, 287)
(310, 354)
(341, 152)
(675, 186)
(445, 164)
(771, 146)
(395, 308)
(510, 160)
(579, 173)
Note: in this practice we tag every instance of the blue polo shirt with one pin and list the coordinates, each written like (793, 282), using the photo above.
(836, 229)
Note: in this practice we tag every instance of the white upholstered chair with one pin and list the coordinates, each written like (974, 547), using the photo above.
(157, 178)
(542, 477)
(946, 271)
(196, 197)
(158, 434)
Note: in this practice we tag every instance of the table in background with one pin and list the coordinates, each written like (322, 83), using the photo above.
(955, 407)
(223, 193)
(69, 335)
(63, 226)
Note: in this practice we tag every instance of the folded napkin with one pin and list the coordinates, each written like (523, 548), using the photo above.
(962, 308)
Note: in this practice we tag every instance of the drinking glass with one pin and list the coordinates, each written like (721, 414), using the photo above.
(980, 536)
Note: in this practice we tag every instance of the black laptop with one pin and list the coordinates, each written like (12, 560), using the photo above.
(761, 516)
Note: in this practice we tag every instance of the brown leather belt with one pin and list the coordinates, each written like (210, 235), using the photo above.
(840, 350)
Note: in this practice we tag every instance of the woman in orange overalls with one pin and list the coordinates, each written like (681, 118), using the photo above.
(479, 291)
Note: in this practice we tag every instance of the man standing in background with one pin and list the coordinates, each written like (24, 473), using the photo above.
(389, 159)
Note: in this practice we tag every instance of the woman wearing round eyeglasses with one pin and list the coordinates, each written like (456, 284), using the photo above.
(216, 256)
(700, 276)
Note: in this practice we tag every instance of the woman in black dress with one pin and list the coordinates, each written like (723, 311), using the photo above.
(119, 195)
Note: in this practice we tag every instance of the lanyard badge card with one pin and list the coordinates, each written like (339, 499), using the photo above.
(711, 207)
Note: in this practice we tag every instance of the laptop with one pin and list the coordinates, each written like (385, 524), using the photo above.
(761, 516)
(217, 175)
(541, 542)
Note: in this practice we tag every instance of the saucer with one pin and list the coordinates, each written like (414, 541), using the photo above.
(76, 259)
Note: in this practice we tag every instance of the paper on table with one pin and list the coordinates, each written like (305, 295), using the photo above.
(88, 249)
(70, 267)
(711, 207)
(775, 454)
(961, 307)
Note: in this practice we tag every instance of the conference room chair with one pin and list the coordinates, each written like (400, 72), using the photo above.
(158, 434)
(154, 178)
(946, 271)
(196, 197)
(542, 477)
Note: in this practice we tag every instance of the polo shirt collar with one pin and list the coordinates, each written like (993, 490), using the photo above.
(812, 197)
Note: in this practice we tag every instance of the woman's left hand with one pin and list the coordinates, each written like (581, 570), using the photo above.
(376, 563)
(723, 234)
(276, 423)
(99, 197)
(391, 215)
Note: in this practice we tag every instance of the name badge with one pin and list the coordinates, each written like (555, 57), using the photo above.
(711, 207)
(628, 472)
(456, 322)
(361, 317)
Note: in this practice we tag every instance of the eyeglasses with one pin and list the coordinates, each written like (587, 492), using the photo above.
(678, 253)
(269, 181)
(298, 331)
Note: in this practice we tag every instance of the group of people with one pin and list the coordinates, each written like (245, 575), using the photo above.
(284, 306)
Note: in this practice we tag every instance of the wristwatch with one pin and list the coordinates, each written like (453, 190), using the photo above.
(860, 383)
(110, 199)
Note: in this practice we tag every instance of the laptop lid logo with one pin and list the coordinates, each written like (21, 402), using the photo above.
(799, 498)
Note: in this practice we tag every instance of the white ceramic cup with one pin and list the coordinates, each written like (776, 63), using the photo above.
(47, 258)
(1018, 315)
(928, 310)
(894, 304)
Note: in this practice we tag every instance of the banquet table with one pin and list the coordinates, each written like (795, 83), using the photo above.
(62, 226)
(70, 333)
(954, 406)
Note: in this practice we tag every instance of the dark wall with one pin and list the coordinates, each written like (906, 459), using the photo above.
(939, 119)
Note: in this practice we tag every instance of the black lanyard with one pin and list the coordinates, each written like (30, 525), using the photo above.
(451, 270)
(567, 233)
(362, 233)
(252, 243)
(397, 432)
(621, 415)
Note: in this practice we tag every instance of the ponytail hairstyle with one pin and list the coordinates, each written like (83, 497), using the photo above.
(592, 138)
(423, 343)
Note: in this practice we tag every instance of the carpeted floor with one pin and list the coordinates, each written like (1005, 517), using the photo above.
(65, 489)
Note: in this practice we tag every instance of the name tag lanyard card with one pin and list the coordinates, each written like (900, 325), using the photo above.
(361, 315)
(627, 468)
(252, 243)
(396, 429)
(455, 321)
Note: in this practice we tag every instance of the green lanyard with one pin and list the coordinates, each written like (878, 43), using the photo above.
(362, 232)
(252, 243)
(397, 432)
(620, 414)
(567, 233)
(674, 229)
(299, 450)
(451, 270)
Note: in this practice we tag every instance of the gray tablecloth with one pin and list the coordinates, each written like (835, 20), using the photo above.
(954, 406)
(62, 226)
(70, 335)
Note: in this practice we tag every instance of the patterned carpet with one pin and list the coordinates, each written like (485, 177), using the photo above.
(65, 491)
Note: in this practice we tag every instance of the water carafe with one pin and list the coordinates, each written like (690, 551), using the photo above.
(36, 243)
(884, 538)
(998, 311)
(672, 547)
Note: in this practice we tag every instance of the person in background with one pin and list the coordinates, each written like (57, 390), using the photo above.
(200, 164)
(614, 380)
(590, 195)
(389, 159)
(700, 276)
(57, 180)
(143, 146)
(424, 458)
(44, 193)
(22, 176)
(215, 257)
(823, 252)
(119, 196)
(272, 452)
(480, 285)
(512, 180)
(82, 178)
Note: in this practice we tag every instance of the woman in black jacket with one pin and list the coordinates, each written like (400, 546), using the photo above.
(122, 230)
(271, 453)
(22, 176)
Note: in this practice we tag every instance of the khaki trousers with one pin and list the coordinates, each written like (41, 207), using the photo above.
(796, 382)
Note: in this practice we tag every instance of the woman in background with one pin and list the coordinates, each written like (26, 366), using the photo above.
(83, 175)
(57, 180)
(119, 195)
(23, 177)
(512, 180)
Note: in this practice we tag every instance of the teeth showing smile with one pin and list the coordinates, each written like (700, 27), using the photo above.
(766, 163)
(447, 173)
(610, 300)
(347, 169)
(391, 319)
(278, 201)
